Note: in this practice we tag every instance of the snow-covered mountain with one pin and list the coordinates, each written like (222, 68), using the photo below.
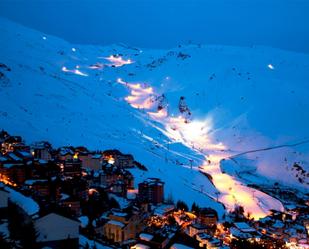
(180, 112)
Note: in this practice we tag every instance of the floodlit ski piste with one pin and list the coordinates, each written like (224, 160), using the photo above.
(194, 134)
(182, 112)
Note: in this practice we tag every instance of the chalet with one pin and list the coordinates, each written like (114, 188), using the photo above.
(91, 161)
(41, 150)
(56, 231)
(118, 159)
(24, 155)
(207, 217)
(9, 143)
(119, 188)
(242, 230)
(72, 167)
(76, 187)
(122, 226)
(124, 161)
(157, 240)
(207, 241)
(14, 157)
(72, 204)
(196, 228)
(112, 174)
(13, 172)
(66, 153)
(39, 186)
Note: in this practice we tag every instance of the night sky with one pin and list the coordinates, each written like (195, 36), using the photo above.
(167, 23)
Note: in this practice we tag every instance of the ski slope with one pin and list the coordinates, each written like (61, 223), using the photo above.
(234, 100)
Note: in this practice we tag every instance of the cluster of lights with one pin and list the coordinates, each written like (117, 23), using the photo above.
(110, 159)
(6, 180)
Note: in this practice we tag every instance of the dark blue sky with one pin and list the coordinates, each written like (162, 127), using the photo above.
(166, 23)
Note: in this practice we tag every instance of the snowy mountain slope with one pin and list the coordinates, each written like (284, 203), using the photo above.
(235, 100)
(41, 102)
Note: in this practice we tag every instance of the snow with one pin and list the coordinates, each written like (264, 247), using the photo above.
(116, 223)
(83, 241)
(244, 227)
(31, 182)
(120, 214)
(4, 229)
(123, 203)
(26, 203)
(14, 157)
(230, 91)
(64, 196)
(83, 221)
(163, 209)
(180, 246)
(25, 153)
(146, 236)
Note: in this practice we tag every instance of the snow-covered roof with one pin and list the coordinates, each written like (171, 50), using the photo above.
(10, 165)
(64, 196)
(14, 157)
(244, 227)
(3, 159)
(26, 203)
(163, 208)
(25, 153)
(123, 203)
(180, 246)
(146, 236)
(32, 181)
(116, 223)
(278, 224)
(83, 241)
(96, 156)
(239, 234)
(83, 221)
(120, 214)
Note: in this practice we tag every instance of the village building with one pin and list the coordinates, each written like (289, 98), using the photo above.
(118, 159)
(196, 228)
(156, 240)
(90, 160)
(13, 172)
(56, 231)
(39, 186)
(41, 150)
(72, 204)
(66, 153)
(151, 190)
(72, 167)
(9, 143)
(122, 226)
(111, 174)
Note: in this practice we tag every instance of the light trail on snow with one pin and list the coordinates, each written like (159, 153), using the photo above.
(118, 61)
(74, 71)
(195, 134)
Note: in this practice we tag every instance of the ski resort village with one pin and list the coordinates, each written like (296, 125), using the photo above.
(197, 146)
(70, 197)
